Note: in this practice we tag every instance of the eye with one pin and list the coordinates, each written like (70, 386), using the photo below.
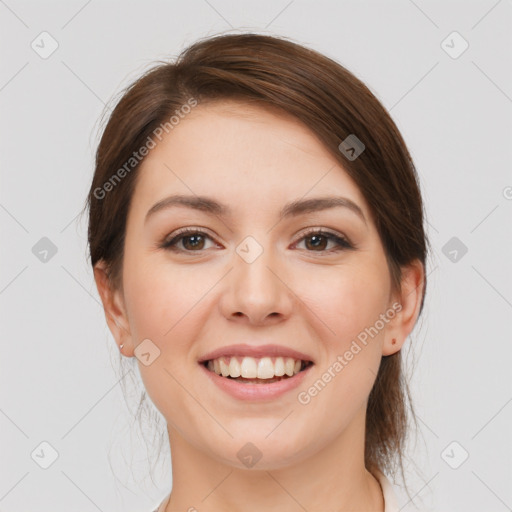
(319, 239)
(193, 240)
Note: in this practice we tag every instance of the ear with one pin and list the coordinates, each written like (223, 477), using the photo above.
(114, 307)
(407, 307)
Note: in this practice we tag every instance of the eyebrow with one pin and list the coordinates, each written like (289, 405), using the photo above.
(292, 209)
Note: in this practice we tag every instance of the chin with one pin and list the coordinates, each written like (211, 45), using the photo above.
(259, 452)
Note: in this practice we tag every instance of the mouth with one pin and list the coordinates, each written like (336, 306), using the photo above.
(256, 370)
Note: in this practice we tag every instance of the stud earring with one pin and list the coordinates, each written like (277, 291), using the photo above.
(121, 346)
(393, 341)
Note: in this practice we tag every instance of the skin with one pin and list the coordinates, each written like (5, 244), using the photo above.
(315, 300)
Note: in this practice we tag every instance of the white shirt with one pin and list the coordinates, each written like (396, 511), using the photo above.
(390, 501)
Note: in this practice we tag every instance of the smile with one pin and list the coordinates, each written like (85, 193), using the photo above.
(256, 372)
(252, 370)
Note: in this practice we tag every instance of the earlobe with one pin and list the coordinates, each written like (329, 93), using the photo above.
(113, 306)
(411, 294)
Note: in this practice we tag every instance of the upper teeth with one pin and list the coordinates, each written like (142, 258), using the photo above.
(251, 368)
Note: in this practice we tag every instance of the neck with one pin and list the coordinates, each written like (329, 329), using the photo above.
(332, 478)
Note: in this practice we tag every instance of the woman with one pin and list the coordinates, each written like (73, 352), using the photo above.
(256, 233)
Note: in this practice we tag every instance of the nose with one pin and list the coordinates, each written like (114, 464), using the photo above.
(256, 292)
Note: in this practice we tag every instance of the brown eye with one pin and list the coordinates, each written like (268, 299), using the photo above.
(317, 241)
(194, 242)
(191, 240)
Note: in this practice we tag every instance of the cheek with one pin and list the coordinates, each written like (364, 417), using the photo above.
(348, 299)
(159, 300)
(164, 305)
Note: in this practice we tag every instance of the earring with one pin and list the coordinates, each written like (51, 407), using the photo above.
(121, 346)
(392, 341)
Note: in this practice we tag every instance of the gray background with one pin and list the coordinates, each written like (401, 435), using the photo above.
(58, 383)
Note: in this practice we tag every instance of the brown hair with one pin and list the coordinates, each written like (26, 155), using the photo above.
(331, 102)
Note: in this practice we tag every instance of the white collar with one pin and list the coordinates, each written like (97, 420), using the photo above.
(390, 500)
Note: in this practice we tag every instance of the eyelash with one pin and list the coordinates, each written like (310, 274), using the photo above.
(342, 242)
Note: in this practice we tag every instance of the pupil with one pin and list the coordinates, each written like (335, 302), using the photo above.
(197, 239)
(318, 238)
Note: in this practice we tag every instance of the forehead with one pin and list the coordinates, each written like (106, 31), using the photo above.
(242, 154)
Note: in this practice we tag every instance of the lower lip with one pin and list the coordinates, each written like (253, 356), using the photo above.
(256, 391)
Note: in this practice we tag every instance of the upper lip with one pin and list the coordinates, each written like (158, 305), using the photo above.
(256, 351)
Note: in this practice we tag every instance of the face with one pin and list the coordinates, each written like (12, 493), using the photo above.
(305, 285)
